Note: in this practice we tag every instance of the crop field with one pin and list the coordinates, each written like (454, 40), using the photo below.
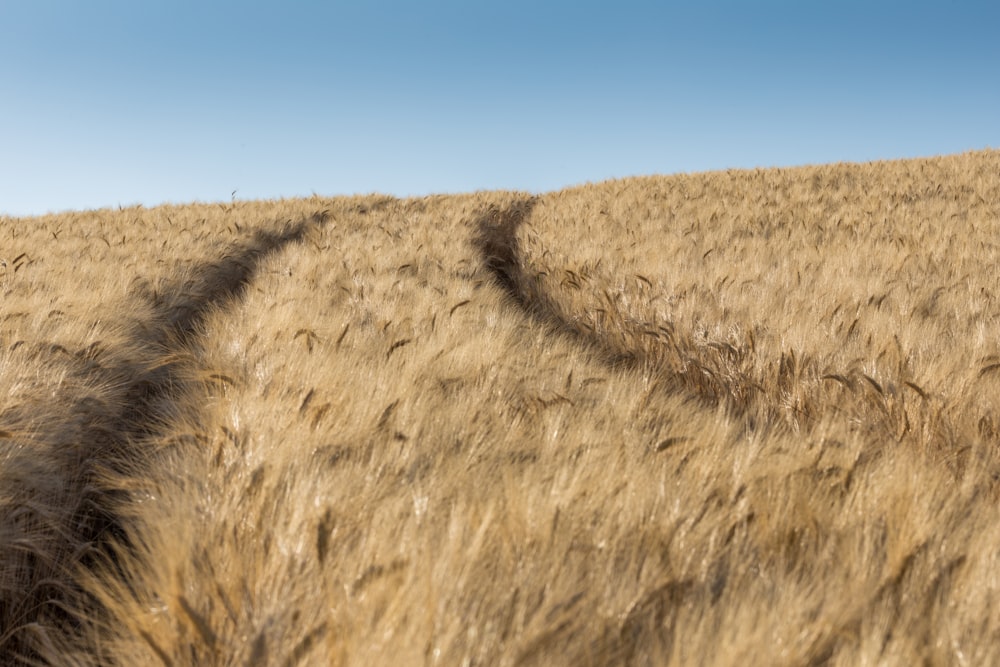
(732, 418)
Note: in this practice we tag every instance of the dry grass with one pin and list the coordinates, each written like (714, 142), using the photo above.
(730, 418)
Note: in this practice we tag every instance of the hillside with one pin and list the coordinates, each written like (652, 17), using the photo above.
(745, 417)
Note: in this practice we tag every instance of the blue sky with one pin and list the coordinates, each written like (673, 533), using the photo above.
(119, 102)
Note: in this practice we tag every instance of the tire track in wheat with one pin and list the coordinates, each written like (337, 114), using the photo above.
(95, 442)
(715, 373)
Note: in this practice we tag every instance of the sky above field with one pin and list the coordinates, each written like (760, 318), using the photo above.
(122, 102)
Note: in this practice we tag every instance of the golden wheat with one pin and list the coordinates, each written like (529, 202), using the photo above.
(727, 418)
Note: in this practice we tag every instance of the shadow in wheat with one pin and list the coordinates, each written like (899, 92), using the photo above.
(716, 373)
(67, 455)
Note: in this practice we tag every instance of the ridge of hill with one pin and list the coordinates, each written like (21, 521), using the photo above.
(725, 418)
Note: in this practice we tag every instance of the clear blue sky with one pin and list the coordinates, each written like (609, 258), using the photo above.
(108, 102)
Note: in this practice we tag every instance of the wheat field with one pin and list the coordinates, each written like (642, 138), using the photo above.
(742, 417)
